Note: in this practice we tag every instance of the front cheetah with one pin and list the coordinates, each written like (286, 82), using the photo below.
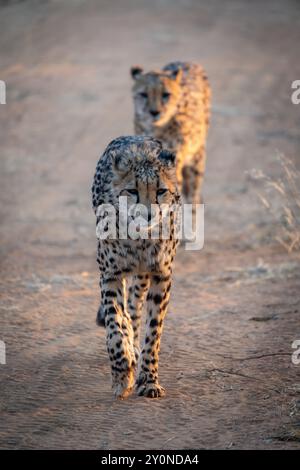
(140, 169)
(173, 105)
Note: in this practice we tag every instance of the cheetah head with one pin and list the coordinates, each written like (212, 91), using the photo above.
(156, 95)
(146, 175)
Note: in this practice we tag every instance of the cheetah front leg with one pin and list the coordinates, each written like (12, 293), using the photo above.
(157, 302)
(136, 296)
(119, 336)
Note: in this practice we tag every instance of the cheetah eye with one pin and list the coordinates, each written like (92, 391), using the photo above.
(144, 94)
(133, 192)
(161, 191)
(166, 95)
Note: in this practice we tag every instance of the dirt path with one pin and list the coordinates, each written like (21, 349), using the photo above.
(226, 349)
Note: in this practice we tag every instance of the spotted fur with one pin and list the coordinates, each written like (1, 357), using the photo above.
(173, 105)
(138, 164)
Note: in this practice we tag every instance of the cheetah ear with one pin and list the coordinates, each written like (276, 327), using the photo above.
(136, 71)
(175, 74)
(121, 164)
(167, 158)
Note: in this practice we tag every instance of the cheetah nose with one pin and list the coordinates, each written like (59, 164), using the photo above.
(154, 113)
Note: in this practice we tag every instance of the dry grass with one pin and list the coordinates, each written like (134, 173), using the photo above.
(281, 198)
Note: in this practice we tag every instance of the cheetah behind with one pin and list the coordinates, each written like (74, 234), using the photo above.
(136, 167)
(173, 105)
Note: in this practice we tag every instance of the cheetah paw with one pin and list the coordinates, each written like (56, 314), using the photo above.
(121, 391)
(123, 387)
(151, 390)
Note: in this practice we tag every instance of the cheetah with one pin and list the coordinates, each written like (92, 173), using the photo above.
(138, 168)
(173, 105)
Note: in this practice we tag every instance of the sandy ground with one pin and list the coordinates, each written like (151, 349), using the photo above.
(226, 349)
